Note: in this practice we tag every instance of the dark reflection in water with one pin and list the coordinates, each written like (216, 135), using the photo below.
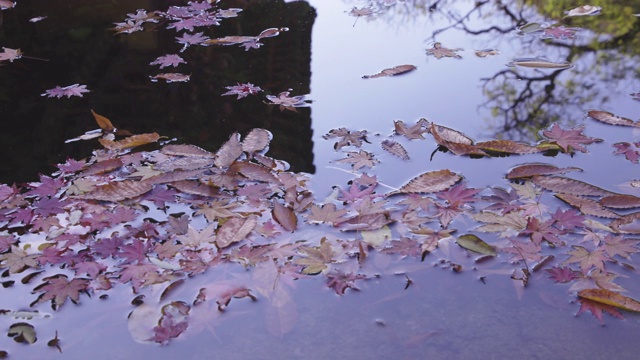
(76, 39)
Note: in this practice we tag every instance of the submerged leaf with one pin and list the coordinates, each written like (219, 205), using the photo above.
(475, 244)
(587, 206)
(583, 10)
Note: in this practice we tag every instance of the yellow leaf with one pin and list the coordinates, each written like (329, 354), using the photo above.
(610, 298)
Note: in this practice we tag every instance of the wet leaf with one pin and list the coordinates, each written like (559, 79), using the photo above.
(235, 229)
(539, 63)
(104, 123)
(58, 289)
(609, 118)
(475, 244)
(620, 201)
(256, 141)
(130, 142)
(530, 170)
(506, 147)
(118, 191)
(397, 70)
(627, 224)
(317, 258)
(583, 10)
(439, 51)
(22, 333)
(486, 52)
(529, 28)
(171, 77)
(569, 140)
(587, 206)
(610, 298)
(284, 216)
(570, 186)
(429, 182)
(396, 149)
(229, 151)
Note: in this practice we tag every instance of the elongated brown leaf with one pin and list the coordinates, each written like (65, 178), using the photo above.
(587, 206)
(235, 229)
(174, 176)
(195, 187)
(395, 148)
(186, 150)
(443, 135)
(118, 191)
(256, 140)
(620, 201)
(429, 182)
(229, 151)
(529, 170)
(627, 224)
(130, 142)
(565, 185)
(609, 118)
(254, 171)
(103, 166)
(507, 147)
(608, 297)
(284, 216)
(397, 70)
(184, 163)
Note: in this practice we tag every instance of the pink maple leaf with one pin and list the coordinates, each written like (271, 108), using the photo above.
(136, 251)
(597, 309)
(540, 231)
(630, 151)
(68, 91)
(46, 187)
(191, 39)
(559, 32)
(356, 192)
(167, 330)
(569, 140)
(6, 241)
(136, 274)
(459, 195)
(58, 289)
(168, 60)
(562, 274)
(568, 219)
(339, 281)
(242, 90)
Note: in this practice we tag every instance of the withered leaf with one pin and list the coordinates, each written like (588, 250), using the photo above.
(317, 258)
(439, 51)
(429, 182)
(396, 70)
(529, 170)
(235, 229)
(130, 142)
(103, 166)
(254, 172)
(229, 151)
(610, 298)
(507, 147)
(444, 135)
(413, 132)
(395, 148)
(195, 187)
(184, 163)
(620, 201)
(609, 118)
(627, 224)
(104, 123)
(284, 216)
(118, 191)
(475, 244)
(256, 141)
(565, 185)
(587, 206)
(185, 150)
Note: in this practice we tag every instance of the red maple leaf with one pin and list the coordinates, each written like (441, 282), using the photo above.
(339, 281)
(569, 140)
(629, 152)
(568, 219)
(57, 289)
(597, 309)
(540, 231)
(562, 274)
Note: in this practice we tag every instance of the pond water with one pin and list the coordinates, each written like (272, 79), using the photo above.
(407, 303)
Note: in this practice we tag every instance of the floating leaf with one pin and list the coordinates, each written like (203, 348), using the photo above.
(627, 224)
(620, 201)
(229, 151)
(256, 141)
(130, 142)
(529, 28)
(506, 147)
(486, 52)
(235, 229)
(475, 244)
(317, 258)
(530, 170)
(429, 182)
(395, 148)
(609, 118)
(610, 298)
(587, 206)
(439, 51)
(539, 63)
(569, 140)
(565, 185)
(444, 135)
(118, 190)
(171, 77)
(397, 70)
(583, 11)
(185, 150)
(104, 123)
(23, 333)
(284, 216)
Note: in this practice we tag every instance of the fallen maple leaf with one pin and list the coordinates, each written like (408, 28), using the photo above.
(168, 60)
(569, 140)
(439, 52)
(57, 289)
(68, 91)
(359, 159)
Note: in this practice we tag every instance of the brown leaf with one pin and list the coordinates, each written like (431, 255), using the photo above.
(184, 163)
(529, 170)
(256, 140)
(284, 216)
(507, 147)
(587, 206)
(194, 187)
(565, 185)
(439, 52)
(130, 142)
(102, 167)
(254, 172)
(397, 70)
(235, 229)
(610, 298)
(609, 118)
(185, 150)
(395, 148)
(627, 224)
(443, 135)
(229, 151)
(620, 201)
(429, 182)
(104, 123)
(118, 191)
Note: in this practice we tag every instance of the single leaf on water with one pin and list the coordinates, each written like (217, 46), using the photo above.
(284, 216)
(439, 51)
(22, 333)
(609, 118)
(130, 142)
(610, 298)
(539, 63)
(104, 123)
(235, 229)
(256, 140)
(443, 135)
(397, 70)
(529, 170)
(429, 182)
(395, 148)
(569, 140)
(412, 132)
(621, 201)
(475, 244)
(229, 151)
(570, 186)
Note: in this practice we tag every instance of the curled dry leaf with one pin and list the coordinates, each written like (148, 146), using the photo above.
(397, 70)
(104, 123)
(439, 51)
(130, 142)
(396, 149)
(609, 118)
(565, 185)
(429, 182)
(256, 141)
(529, 170)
